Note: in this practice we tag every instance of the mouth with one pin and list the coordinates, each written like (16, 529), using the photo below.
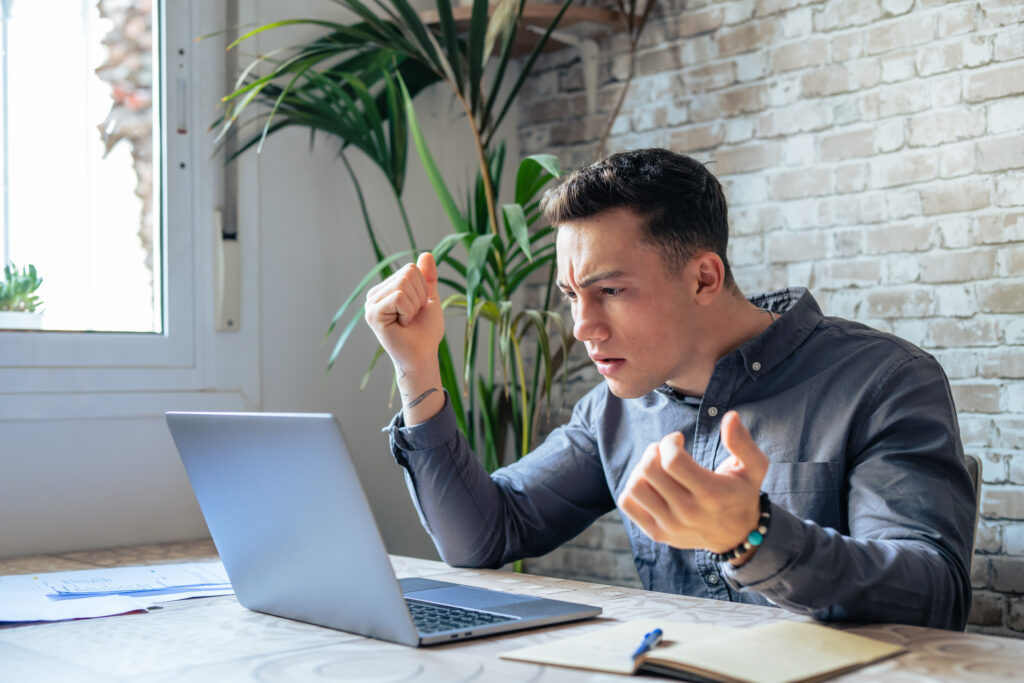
(607, 365)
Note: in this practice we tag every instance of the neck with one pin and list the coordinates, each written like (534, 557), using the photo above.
(730, 324)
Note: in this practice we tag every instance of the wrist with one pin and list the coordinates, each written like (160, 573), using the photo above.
(416, 369)
(422, 394)
(754, 538)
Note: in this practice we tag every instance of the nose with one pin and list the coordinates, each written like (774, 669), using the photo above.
(587, 322)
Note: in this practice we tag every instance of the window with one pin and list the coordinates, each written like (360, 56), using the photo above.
(105, 372)
(80, 187)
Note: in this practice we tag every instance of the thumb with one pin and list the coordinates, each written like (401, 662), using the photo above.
(428, 268)
(738, 441)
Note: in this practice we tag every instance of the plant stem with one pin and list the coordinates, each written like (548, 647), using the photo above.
(366, 216)
(485, 171)
(405, 219)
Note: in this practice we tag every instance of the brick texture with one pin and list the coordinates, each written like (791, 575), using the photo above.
(872, 150)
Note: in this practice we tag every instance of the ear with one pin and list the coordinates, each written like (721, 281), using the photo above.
(710, 276)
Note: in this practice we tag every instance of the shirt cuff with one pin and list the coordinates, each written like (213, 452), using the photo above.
(425, 436)
(782, 545)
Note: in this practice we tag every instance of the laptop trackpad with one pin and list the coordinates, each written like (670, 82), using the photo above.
(467, 596)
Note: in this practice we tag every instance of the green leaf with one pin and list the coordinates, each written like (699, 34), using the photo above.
(452, 300)
(380, 266)
(515, 222)
(344, 336)
(489, 424)
(377, 251)
(516, 278)
(279, 24)
(476, 56)
(451, 40)
(433, 173)
(373, 363)
(534, 172)
(446, 244)
(478, 252)
(450, 382)
(539, 322)
(525, 71)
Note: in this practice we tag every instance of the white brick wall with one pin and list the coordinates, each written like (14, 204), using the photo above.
(872, 150)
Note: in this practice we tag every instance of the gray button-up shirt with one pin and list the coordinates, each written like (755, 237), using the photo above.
(872, 506)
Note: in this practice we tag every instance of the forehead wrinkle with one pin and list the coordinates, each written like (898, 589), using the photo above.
(593, 278)
(580, 248)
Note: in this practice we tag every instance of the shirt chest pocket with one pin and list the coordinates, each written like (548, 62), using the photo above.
(810, 490)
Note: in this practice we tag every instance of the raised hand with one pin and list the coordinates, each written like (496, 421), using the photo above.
(405, 314)
(676, 501)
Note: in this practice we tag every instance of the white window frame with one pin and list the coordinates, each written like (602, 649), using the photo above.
(46, 375)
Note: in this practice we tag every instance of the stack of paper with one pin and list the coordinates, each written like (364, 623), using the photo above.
(101, 592)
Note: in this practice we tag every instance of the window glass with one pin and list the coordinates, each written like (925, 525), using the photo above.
(81, 198)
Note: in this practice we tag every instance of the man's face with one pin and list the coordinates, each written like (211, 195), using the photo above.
(635, 318)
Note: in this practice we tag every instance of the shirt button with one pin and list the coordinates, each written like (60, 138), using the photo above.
(713, 579)
(712, 411)
(755, 366)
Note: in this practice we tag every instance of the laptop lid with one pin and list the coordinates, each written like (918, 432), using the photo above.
(291, 522)
(295, 531)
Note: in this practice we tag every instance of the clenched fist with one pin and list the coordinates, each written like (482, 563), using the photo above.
(405, 313)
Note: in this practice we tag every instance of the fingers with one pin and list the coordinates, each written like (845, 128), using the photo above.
(639, 498)
(675, 500)
(654, 497)
(401, 296)
(428, 268)
(394, 307)
(678, 464)
(737, 440)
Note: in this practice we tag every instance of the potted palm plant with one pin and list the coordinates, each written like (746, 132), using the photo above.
(357, 82)
(19, 303)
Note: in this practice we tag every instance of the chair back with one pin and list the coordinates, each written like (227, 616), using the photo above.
(973, 463)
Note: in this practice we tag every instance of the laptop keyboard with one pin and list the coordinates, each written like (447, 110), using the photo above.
(431, 618)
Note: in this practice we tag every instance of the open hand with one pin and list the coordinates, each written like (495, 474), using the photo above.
(676, 501)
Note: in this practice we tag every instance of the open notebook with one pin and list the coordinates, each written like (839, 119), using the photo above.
(778, 652)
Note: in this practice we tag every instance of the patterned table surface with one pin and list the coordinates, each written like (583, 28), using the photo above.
(215, 639)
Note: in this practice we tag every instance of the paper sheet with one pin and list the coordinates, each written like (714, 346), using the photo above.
(136, 580)
(25, 597)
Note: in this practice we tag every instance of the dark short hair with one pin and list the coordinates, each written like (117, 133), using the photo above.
(681, 203)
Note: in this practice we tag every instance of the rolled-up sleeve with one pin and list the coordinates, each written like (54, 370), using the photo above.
(526, 509)
(910, 510)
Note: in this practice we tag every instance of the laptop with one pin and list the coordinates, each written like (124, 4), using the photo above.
(295, 532)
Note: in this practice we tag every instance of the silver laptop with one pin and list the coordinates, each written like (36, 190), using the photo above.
(295, 532)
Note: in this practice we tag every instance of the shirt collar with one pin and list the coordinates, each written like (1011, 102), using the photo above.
(798, 315)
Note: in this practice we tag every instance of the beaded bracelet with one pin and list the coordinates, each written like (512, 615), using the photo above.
(754, 538)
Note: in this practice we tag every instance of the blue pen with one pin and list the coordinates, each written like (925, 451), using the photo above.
(650, 642)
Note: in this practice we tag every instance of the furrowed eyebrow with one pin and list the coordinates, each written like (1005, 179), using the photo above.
(591, 279)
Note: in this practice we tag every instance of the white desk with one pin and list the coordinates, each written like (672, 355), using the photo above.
(214, 639)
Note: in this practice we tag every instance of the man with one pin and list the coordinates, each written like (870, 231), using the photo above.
(760, 452)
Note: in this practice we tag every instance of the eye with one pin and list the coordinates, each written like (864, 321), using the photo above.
(611, 291)
(568, 295)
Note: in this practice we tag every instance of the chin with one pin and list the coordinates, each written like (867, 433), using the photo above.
(621, 390)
